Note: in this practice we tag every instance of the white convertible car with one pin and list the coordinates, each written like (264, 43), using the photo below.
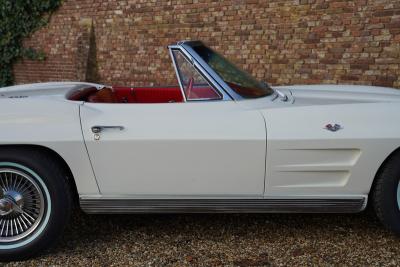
(219, 142)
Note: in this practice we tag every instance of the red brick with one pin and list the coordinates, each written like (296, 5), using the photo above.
(278, 41)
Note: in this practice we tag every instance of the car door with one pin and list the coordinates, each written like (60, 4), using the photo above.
(191, 149)
(199, 148)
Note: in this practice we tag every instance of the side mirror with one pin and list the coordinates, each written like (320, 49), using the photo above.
(265, 84)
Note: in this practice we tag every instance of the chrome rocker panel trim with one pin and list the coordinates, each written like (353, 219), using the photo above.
(348, 205)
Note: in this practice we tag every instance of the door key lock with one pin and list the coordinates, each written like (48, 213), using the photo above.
(98, 129)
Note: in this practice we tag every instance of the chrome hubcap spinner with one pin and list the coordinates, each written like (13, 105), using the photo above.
(6, 207)
(12, 202)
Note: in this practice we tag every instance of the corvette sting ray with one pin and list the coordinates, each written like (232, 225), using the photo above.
(221, 141)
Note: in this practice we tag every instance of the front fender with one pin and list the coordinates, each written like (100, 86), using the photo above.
(50, 123)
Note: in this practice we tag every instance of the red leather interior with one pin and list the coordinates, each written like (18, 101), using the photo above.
(141, 94)
(82, 95)
(104, 95)
(148, 94)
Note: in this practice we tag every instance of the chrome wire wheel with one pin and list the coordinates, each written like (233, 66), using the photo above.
(22, 205)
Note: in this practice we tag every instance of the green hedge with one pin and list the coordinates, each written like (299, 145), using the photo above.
(18, 19)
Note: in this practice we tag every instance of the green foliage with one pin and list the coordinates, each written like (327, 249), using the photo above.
(18, 19)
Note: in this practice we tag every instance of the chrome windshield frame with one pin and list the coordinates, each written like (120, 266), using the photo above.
(200, 68)
(206, 69)
(171, 49)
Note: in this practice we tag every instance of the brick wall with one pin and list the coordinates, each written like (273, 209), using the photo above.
(283, 42)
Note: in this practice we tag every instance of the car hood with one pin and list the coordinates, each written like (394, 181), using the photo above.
(339, 94)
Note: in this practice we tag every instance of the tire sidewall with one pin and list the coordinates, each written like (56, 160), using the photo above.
(390, 204)
(386, 202)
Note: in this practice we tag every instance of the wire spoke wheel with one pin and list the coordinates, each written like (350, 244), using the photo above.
(22, 205)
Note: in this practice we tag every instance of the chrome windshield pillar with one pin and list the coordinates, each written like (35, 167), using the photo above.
(201, 68)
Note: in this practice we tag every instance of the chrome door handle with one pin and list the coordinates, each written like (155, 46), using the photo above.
(98, 129)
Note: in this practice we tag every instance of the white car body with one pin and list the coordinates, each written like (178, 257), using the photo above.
(237, 155)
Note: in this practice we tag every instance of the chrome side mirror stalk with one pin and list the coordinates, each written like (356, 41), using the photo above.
(283, 96)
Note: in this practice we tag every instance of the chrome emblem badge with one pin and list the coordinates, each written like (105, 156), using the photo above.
(333, 127)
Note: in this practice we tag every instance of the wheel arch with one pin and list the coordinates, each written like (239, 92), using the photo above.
(380, 169)
(58, 158)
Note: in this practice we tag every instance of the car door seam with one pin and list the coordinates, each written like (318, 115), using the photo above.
(265, 154)
(87, 150)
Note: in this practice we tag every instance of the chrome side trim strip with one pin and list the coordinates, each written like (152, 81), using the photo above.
(348, 205)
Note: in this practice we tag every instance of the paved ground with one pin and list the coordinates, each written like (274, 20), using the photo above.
(228, 240)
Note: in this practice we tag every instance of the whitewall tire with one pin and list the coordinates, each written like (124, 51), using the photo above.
(35, 202)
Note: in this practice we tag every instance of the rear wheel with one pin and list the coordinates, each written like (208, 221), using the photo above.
(386, 194)
(35, 203)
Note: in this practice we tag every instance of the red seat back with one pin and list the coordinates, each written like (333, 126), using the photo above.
(129, 95)
(82, 95)
(148, 94)
(104, 95)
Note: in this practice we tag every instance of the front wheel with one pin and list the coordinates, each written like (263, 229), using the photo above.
(35, 203)
(386, 194)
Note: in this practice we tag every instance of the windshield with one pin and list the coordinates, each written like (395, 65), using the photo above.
(240, 81)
